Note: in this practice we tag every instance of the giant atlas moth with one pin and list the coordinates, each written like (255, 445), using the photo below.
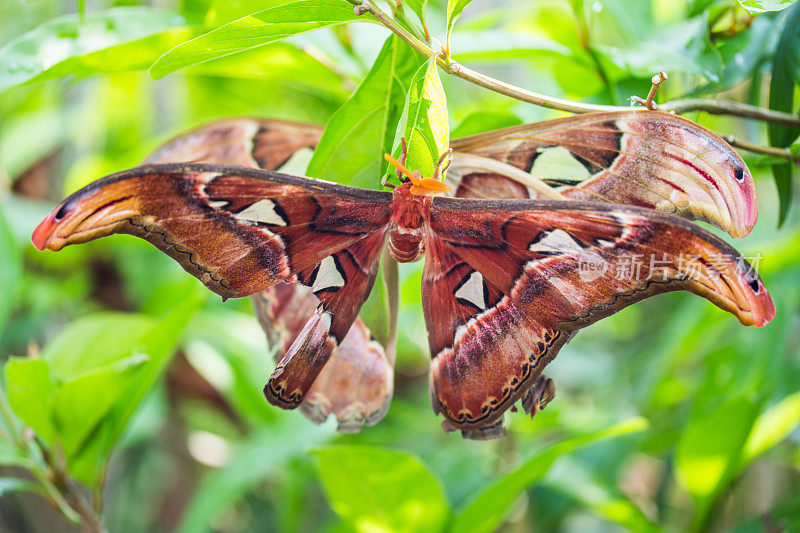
(504, 284)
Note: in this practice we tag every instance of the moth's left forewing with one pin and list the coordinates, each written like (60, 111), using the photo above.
(356, 382)
(238, 230)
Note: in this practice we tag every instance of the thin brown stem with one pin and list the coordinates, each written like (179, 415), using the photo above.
(482, 80)
(715, 107)
(649, 102)
(366, 6)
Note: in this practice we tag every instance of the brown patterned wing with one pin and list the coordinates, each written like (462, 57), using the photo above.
(356, 384)
(638, 157)
(486, 353)
(237, 230)
(248, 142)
(511, 281)
(341, 282)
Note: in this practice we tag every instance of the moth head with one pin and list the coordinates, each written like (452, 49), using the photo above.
(419, 186)
(92, 212)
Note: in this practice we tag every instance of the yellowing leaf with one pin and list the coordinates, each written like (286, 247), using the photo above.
(424, 122)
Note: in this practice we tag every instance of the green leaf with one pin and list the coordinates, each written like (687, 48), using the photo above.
(223, 11)
(359, 134)
(772, 426)
(264, 27)
(486, 511)
(280, 62)
(709, 449)
(30, 390)
(375, 489)
(760, 6)
(72, 45)
(93, 341)
(454, 9)
(10, 268)
(424, 121)
(132, 56)
(785, 71)
(100, 369)
(81, 404)
(159, 345)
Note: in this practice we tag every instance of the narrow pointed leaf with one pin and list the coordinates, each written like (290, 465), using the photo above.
(424, 122)
(454, 9)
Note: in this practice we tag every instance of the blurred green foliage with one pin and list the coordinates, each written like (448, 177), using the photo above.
(125, 376)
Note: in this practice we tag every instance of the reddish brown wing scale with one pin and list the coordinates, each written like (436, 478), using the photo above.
(241, 231)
